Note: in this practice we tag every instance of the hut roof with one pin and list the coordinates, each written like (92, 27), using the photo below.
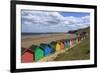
(53, 43)
(34, 47)
(44, 45)
(23, 50)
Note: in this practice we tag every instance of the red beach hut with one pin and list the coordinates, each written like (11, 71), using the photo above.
(26, 55)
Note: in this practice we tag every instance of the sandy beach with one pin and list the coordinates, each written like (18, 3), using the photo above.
(37, 39)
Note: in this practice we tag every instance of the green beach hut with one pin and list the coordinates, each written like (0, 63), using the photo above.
(38, 52)
(66, 43)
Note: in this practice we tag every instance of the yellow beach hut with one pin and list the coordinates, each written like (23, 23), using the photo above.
(58, 48)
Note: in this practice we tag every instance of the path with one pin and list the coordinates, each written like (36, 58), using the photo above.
(51, 57)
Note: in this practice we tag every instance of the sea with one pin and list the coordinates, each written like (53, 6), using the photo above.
(36, 35)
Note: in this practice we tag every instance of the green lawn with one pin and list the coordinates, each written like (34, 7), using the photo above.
(79, 52)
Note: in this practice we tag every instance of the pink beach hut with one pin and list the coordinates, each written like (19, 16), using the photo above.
(78, 38)
(71, 43)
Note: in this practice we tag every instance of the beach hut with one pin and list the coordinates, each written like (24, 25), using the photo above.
(47, 49)
(71, 43)
(62, 45)
(79, 38)
(58, 46)
(72, 40)
(53, 45)
(83, 34)
(26, 55)
(66, 43)
(38, 52)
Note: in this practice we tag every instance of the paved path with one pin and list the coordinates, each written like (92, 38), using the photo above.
(51, 57)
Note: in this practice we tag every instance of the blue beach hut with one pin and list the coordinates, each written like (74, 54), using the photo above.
(47, 49)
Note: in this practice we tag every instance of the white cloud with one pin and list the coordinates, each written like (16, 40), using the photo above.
(40, 21)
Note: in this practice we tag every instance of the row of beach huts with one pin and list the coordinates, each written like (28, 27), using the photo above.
(37, 52)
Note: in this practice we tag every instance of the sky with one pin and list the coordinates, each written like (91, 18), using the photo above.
(75, 14)
(50, 21)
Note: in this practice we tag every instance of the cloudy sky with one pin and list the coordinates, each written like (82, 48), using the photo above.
(46, 21)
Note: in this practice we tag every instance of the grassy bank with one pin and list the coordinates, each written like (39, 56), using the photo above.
(79, 52)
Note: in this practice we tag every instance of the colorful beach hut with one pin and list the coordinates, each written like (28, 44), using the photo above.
(66, 43)
(83, 35)
(62, 45)
(71, 43)
(38, 52)
(27, 55)
(58, 46)
(53, 45)
(47, 49)
(79, 38)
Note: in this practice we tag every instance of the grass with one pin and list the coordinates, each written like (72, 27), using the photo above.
(79, 52)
